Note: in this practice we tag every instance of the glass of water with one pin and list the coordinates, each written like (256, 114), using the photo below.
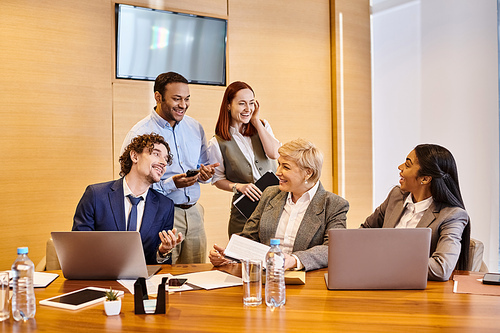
(251, 273)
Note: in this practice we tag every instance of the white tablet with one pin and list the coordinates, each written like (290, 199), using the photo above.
(79, 298)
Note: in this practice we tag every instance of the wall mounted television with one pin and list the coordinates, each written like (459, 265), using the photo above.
(151, 41)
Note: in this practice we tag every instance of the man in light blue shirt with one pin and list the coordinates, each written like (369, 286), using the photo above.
(188, 145)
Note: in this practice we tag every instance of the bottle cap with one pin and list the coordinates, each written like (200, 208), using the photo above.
(275, 241)
(22, 250)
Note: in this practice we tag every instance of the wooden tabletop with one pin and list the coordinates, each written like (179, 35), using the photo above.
(309, 308)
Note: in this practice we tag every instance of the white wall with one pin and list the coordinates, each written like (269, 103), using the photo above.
(435, 80)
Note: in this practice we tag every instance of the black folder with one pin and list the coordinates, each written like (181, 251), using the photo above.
(247, 206)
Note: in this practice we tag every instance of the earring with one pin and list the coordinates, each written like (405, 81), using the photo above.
(422, 183)
(305, 182)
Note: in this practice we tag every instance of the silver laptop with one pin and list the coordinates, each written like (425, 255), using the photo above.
(378, 258)
(101, 255)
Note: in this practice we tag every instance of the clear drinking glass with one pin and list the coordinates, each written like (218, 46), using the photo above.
(251, 273)
(4, 296)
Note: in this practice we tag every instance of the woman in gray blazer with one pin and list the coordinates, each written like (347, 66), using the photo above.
(299, 210)
(429, 197)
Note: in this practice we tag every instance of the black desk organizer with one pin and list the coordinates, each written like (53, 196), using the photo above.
(141, 294)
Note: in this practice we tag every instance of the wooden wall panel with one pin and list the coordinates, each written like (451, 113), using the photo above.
(352, 102)
(55, 116)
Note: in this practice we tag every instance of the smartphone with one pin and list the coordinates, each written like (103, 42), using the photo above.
(176, 283)
(491, 278)
(192, 172)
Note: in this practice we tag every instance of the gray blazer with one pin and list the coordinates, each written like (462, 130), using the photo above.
(447, 224)
(326, 211)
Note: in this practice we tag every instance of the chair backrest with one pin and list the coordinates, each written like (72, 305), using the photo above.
(476, 250)
(52, 261)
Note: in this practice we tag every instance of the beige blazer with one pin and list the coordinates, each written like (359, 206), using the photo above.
(326, 211)
(447, 224)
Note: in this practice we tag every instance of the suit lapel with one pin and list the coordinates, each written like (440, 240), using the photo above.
(396, 213)
(311, 221)
(116, 202)
(150, 209)
(276, 205)
(429, 216)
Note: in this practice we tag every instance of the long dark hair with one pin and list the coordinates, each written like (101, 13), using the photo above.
(438, 162)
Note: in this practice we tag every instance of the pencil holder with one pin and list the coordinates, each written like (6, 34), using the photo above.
(141, 295)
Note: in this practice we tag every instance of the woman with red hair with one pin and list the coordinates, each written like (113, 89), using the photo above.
(244, 146)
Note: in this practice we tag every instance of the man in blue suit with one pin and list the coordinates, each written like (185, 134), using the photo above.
(130, 204)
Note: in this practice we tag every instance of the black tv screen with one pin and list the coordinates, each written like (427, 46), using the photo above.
(150, 42)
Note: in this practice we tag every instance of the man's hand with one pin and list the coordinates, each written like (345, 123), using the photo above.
(181, 180)
(207, 171)
(169, 240)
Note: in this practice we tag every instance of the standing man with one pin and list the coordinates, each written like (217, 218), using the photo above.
(129, 204)
(188, 144)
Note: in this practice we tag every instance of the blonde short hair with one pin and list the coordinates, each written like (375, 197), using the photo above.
(305, 154)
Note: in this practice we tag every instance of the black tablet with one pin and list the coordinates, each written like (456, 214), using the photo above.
(79, 298)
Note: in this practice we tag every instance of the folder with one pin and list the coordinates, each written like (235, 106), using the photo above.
(247, 206)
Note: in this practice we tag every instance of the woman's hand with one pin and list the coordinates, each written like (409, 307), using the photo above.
(216, 256)
(255, 115)
(250, 190)
(290, 261)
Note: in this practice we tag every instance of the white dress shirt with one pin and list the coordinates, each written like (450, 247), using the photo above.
(290, 220)
(413, 212)
(128, 205)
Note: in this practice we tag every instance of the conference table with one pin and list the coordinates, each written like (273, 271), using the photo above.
(309, 308)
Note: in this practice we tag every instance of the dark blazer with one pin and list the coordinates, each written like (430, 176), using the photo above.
(326, 211)
(447, 224)
(102, 208)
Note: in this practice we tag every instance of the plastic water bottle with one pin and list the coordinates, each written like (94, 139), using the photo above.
(275, 275)
(23, 298)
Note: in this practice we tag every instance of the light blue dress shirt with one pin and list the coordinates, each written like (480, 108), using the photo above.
(188, 146)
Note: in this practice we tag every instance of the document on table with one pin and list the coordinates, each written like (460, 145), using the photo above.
(211, 279)
(40, 279)
(243, 248)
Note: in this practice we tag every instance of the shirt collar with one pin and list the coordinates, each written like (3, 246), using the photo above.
(234, 131)
(419, 206)
(127, 191)
(306, 197)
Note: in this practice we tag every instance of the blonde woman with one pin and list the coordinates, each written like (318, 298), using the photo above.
(299, 210)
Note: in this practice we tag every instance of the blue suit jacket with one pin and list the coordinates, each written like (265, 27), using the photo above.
(102, 208)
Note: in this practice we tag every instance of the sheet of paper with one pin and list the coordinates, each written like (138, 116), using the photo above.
(152, 284)
(40, 279)
(244, 248)
(212, 279)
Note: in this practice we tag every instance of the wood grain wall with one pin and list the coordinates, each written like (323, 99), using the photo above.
(63, 115)
(352, 122)
(55, 116)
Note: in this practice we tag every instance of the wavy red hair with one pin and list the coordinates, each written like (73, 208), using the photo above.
(224, 121)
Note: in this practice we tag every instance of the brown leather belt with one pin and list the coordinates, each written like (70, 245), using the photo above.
(185, 206)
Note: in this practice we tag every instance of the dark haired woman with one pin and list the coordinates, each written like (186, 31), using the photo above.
(429, 197)
(244, 146)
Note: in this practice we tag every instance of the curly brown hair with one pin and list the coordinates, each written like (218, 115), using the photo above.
(138, 144)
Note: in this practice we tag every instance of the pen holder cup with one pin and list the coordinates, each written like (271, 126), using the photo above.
(141, 295)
